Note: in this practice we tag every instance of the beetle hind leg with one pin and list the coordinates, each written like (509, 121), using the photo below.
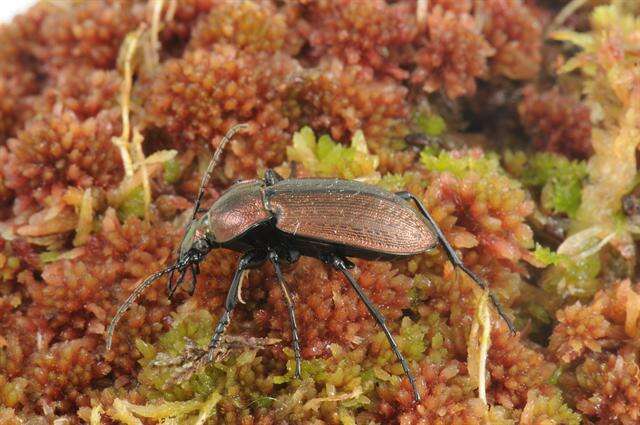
(273, 257)
(455, 259)
(341, 265)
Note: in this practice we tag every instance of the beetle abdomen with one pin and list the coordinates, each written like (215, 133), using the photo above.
(349, 213)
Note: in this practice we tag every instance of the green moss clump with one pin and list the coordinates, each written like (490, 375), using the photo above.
(326, 158)
(347, 377)
(546, 256)
(558, 178)
(133, 204)
(172, 171)
(13, 392)
(542, 409)
(573, 277)
(460, 165)
(431, 125)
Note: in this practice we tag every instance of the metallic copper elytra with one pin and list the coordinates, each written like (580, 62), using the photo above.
(366, 220)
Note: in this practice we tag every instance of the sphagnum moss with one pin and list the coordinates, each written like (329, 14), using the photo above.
(329, 88)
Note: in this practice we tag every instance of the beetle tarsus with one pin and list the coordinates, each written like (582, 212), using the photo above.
(455, 259)
(340, 264)
(273, 257)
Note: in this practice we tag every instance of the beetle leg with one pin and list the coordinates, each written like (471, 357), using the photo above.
(170, 283)
(242, 278)
(455, 259)
(273, 257)
(341, 265)
(272, 177)
(248, 260)
(172, 289)
(195, 270)
(292, 256)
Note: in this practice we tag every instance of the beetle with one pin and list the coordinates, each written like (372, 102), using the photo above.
(276, 219)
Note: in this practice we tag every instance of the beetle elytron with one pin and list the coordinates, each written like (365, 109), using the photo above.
(278, 219)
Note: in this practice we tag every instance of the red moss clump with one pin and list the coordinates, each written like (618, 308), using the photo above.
(556, 123)
(451, 54)
(515, 33)
(580, 329)
(195, 99)
(250, 26)
(181, 23)
(341, 99)
(22, 336)
(597, 342)
(611, 385)
(82, 90)
(112, 263)
(446, 398)
(489, 222)
(18, 79)
(516, 366)
(361, 32)
(89, 33)
(65, 370)
(598, 326)
(58, 150)
(327, 308)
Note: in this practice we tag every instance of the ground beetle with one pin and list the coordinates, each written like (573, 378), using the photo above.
(278, 219)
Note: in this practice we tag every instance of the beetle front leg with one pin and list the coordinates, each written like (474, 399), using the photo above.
(248, 260)
(455, 259)
(341, 265)
(273, 257)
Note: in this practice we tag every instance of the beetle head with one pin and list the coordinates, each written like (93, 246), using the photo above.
(195, 244)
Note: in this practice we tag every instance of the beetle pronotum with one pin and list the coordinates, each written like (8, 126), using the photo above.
(277, 219)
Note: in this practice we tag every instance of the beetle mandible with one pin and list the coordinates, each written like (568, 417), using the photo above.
(277, 219)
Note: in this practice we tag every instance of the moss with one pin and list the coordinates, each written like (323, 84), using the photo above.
(172, 171)
(431, 125)
(546, 256)
(548, 409)
(133, 204)
(573, 278)
(459, 164)
(325, 157)
(354, 71)
(610, 85)
(558, 179)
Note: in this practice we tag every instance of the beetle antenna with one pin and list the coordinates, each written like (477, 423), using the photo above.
(134, 296)
(212, 164)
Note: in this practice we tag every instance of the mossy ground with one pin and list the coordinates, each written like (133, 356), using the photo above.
(515, 122)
